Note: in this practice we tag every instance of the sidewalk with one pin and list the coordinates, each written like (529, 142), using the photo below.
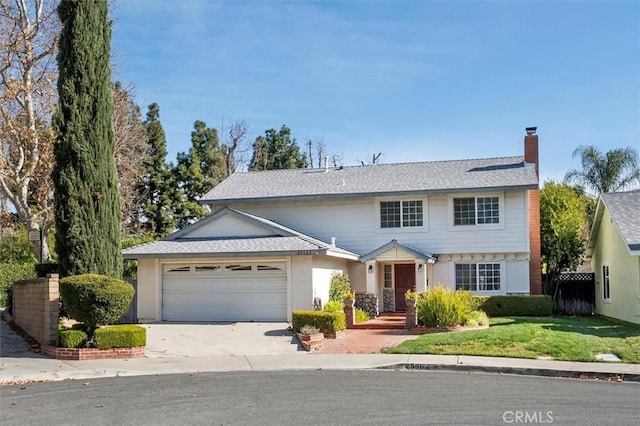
(17, 370)
(18, 364)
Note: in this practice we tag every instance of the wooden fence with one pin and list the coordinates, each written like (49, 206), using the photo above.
(576, 294)
(131, 316)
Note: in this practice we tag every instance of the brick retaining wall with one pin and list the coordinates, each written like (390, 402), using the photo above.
(72, 354)
(35, 307)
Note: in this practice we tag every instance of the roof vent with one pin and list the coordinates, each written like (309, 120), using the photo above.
(531, 131)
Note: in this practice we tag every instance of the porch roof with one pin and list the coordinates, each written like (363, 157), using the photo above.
(419, 254)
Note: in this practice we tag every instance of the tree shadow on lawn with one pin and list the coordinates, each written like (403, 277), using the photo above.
(595, 326)
(587, 325)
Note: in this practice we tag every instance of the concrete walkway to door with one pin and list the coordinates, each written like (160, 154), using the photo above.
(165, 340)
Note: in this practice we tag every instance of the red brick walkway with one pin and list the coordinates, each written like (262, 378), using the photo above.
(364, 341)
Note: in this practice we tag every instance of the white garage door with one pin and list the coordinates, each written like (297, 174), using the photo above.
(224, 292)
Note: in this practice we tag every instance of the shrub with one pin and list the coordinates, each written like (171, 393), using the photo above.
(338, 286)
(349, 295)
(326, 322)
(361, 316)
(10, 272)
(477, 318)
(120, 336)
(526, 306)
(15, 246)
(409, 294)
(71, 338)
(441, 307)
(333, 306)
(95, 299)
(308, 330)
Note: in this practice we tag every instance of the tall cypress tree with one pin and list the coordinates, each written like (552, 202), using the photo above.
(86, 186)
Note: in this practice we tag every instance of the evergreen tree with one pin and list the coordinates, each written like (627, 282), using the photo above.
(197, 171)
(156, 190)
(86, 188)
(277, 150)
(562, 222)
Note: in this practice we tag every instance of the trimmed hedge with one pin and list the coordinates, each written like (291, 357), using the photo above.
(71, 338)
(523, 306)
(120, 336)
(95, 299)
(326, 322)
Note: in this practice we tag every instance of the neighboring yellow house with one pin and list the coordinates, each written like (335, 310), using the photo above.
(614, 250)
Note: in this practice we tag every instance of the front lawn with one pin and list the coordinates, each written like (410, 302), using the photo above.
(561, 338)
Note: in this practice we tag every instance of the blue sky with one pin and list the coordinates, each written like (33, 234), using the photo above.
(415, 80)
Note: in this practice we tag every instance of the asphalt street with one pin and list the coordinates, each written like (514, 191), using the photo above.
(348, 397)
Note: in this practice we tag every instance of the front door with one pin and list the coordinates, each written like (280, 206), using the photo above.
(404, 279)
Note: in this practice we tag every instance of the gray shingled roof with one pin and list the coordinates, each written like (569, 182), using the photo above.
(403, 178)
(625, 210)
(287, 242)
(222, 247)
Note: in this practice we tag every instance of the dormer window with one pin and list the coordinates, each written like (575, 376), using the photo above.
(401, 214)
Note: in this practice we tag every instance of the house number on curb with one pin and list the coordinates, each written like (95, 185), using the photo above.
(417, 366)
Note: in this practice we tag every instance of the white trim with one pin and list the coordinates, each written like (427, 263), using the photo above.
(393, 285)
(289, 289)
(606, 282)
(483, 227)
(158, 280)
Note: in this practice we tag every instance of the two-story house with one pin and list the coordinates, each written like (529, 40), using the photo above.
(274, 238)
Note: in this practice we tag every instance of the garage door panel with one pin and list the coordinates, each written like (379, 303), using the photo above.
(220, 293)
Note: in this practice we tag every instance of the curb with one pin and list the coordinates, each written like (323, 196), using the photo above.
(542, 372)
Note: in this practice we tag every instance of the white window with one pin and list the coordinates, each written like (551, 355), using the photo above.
(401, 214)
(606, 289)
(476, 210)
(388, 276)
(478, 276)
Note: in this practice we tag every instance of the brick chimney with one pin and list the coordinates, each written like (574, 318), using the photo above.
(533, 195)
(531, 147)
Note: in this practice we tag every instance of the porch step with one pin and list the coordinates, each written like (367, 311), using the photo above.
(366, 326)
(394, 321)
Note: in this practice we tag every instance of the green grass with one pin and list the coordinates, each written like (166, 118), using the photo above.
(562, 338)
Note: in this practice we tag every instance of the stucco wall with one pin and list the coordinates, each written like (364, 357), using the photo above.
(323, 268)
(148, 285)
(358, 277)
(301, 283)
(624, 273)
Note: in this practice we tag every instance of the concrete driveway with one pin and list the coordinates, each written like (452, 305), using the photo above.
(219, 338)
